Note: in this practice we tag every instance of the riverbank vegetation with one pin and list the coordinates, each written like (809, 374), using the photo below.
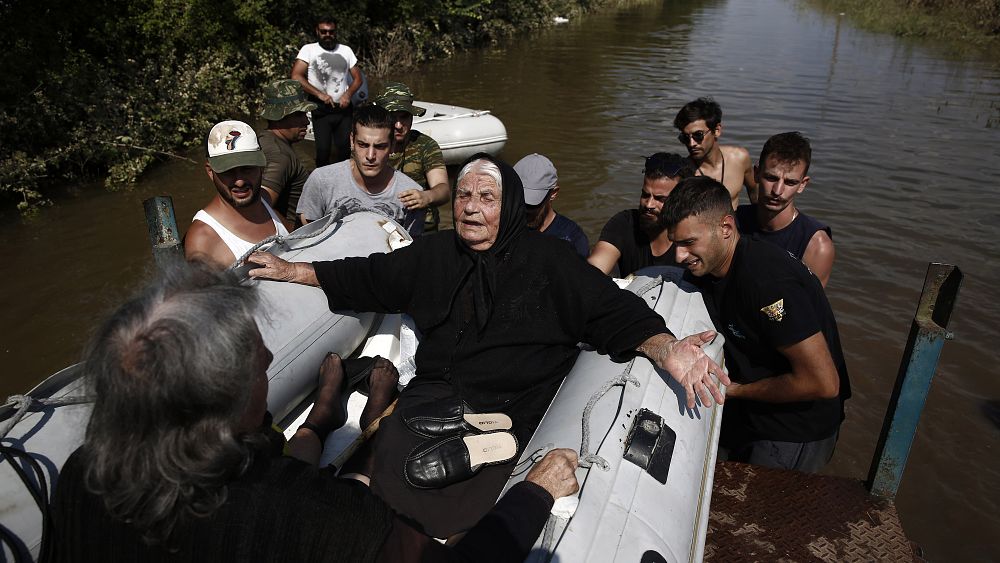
(98, 88)
(976, 22)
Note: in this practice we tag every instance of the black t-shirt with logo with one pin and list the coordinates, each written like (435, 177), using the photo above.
(770, 300)
(623, 232)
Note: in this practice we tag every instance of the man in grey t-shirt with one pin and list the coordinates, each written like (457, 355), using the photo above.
(365, 182)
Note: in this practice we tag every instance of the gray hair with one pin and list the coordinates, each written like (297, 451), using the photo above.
(481, 166)
(172, 370)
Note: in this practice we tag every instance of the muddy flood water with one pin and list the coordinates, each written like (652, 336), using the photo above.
(906, 146)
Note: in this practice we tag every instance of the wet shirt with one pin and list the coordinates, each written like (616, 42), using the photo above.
(566, 229)
(284, 173)
(770, 300)
(420, 155)
(623, 232)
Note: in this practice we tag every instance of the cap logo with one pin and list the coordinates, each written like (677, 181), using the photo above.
(775, 311)
(231, 139)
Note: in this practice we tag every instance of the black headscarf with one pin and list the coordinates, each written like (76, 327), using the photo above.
(482, 276)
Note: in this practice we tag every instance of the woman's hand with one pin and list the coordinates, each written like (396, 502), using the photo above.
(556, 473)
(274, 268)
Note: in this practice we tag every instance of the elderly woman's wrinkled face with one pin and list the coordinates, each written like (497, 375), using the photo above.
(477, 211)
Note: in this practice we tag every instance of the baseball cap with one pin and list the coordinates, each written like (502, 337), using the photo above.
(397, 96)
(284, 97)
(231, 144)
(538, 175)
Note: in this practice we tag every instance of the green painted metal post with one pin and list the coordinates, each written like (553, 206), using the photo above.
(923, 349)
(162, 225)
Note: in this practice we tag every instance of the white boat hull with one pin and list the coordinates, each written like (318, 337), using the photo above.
(461, 132)
(624, 513)
(296, 325)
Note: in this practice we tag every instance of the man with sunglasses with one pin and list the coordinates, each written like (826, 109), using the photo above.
(415, 154)
(329, 73)
(636, 238)
(541, 186)
(700, 126)
(781, 176)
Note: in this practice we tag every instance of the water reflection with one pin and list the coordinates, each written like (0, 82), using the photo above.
(906, 147)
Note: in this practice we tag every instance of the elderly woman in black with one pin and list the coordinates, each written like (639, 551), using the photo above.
(501, 310)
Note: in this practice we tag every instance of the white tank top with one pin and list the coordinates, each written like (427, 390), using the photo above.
(237, 245)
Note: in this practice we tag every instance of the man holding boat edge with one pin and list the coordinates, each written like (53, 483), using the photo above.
(237, 217)
(783, 351)
(415, 154)
(700, 126)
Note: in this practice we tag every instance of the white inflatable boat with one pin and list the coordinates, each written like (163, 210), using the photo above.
(461, 132)
(645, 496)
(295, 323)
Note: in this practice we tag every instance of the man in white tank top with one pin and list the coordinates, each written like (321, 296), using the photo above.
(237, 217)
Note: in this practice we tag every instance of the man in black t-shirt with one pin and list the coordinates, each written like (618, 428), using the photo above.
(783, 353)
(636, 238)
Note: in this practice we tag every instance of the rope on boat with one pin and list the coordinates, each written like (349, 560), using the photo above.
(587, 458)
(279, 239)
(35, 483)
(23, 403)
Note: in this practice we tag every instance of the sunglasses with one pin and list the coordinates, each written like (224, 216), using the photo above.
(698, 137)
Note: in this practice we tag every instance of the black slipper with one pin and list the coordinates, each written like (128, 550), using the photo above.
(444, 461)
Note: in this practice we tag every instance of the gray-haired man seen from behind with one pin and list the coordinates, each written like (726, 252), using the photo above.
(181, 463)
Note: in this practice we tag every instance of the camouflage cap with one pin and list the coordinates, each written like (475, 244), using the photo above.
(396, 96)
(283, 98)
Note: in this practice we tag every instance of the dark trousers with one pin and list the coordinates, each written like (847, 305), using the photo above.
(808, 457)
(331, 129)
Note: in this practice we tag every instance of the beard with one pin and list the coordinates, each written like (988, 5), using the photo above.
(328, 44)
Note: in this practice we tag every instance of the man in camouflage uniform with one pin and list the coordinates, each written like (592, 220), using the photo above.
(285, 107)
(415, 154)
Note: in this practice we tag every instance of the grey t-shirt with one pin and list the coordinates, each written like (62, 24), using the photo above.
(332, 187)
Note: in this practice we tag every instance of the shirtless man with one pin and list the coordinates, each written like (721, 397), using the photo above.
(237, 217)
(700, 126)
(782, 174)
(636, 238)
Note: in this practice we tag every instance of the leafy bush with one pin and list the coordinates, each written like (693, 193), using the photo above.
(108, 87)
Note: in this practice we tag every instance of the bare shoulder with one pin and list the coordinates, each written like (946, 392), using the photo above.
(202, 243)
(820, 244)
(733, 153)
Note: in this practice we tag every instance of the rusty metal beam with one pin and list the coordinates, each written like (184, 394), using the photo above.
(923, 349)
(162, 225)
